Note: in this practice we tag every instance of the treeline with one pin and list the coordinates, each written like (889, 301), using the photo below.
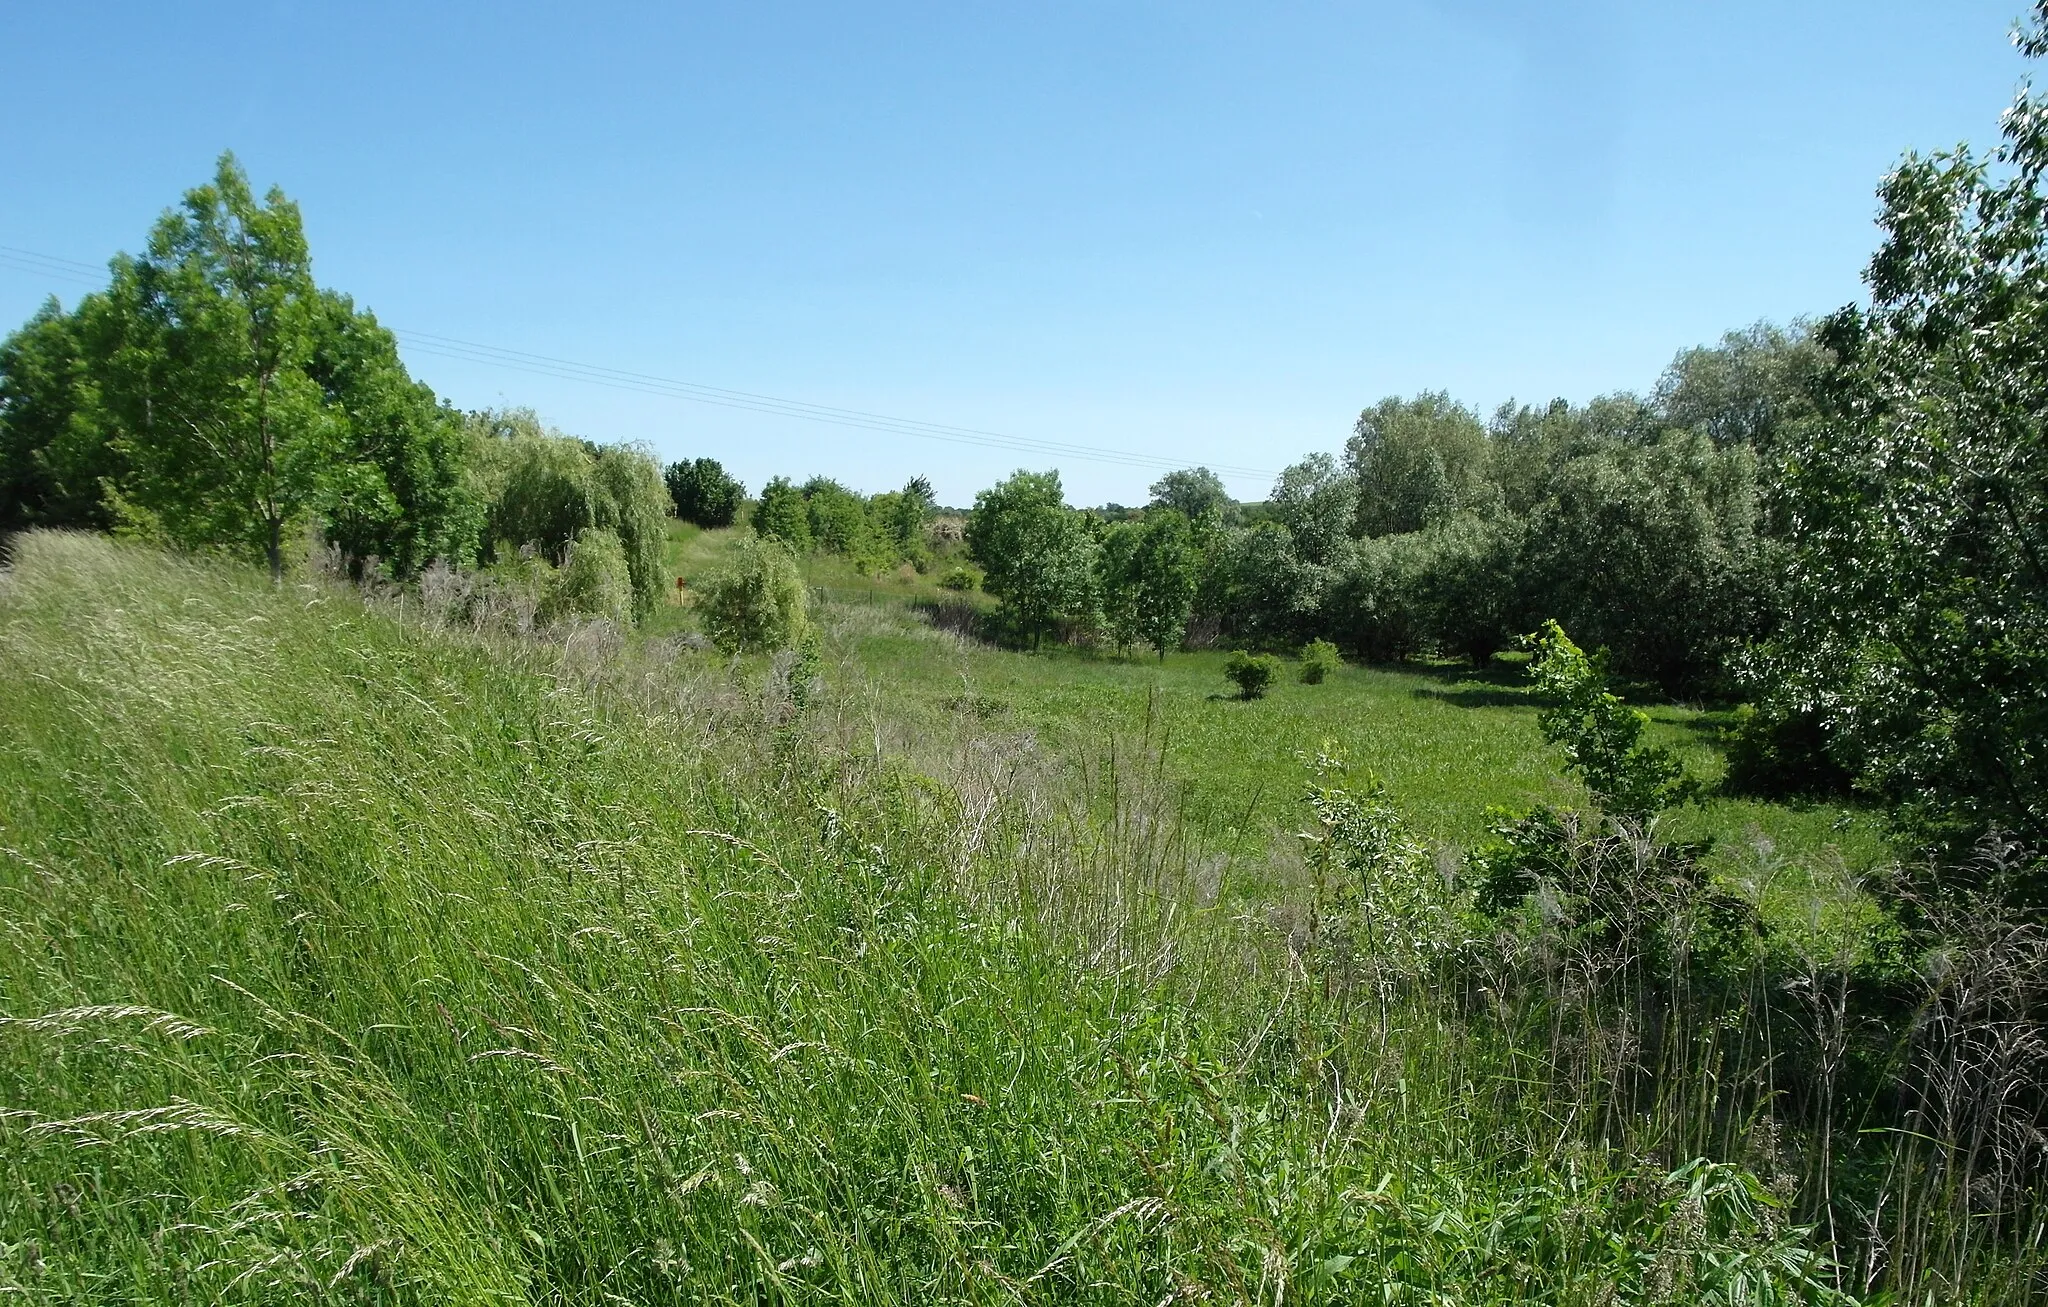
(215, 398)
(1640, 522)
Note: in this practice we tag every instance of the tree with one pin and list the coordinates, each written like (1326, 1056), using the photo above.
(703, 493)
(838, 517)
(1917, 590)
(782, 515)
(907, 517)
(399, 490)
(1417, 462)
(1037, 554)
(212, 397)
(1164, 566)
(229, 439)
(52, 456)
(1197, 494)
(1749, 388)
(1601, 737)
(1315, 501)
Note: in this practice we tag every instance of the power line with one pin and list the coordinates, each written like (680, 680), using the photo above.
(452, 348)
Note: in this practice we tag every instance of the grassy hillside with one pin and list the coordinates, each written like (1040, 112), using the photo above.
(349, 959)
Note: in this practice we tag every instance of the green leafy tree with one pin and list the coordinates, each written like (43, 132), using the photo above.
(212, 397)
(53, 456)
(1417, 462)
(1315, 500)
(1164, 568)
(838, 517)
(594, 580)
(1197, 494)
(1319, 658)
(782, 515)
(227, 437)
(1750, 388)
(907, 516)
(1917, 586)
(703, 492)
(1037, 555)
(756, 602)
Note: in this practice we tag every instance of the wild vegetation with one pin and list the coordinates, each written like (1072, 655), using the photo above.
(414, 896)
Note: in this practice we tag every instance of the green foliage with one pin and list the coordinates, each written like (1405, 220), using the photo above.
(756, 601)
(1197, 494)
(703, 493)
(1315, 500)
(546, 489)
(1037, 555)
(54, 456)
(1650, 552)
(213, 393)
(1264, 589)
(1417, 462)
(1384, 912)
(1148, 569)
(1251, 673)
(1751, 389)
(1319, 658)
(1916, 585)
(1601, 737)
(960, 578)
(594, 581)
(1775, 752)
(782, 515)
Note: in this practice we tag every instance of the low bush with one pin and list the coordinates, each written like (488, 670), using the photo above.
(960, 578)
(757, 601)
(594, 581)
(1251, 673)
(1318, 659)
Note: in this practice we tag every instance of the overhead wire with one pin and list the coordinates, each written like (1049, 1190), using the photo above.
(467, 351)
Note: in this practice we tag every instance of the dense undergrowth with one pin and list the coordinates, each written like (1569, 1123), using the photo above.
(353, 958)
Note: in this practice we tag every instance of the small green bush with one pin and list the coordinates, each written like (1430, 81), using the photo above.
(595, 580)
(1602, 737)
(1251, 673)
(960, 578)
(1318, 659)
(757, 602)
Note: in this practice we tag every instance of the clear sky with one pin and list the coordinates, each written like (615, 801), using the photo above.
(1190, 232)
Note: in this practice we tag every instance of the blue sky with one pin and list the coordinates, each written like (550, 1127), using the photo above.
(1189, 232)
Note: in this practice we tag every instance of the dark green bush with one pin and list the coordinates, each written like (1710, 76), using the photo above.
(1252, 673)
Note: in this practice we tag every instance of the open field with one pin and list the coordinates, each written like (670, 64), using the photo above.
(1451, 743)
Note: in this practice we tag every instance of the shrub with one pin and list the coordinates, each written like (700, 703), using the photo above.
(1318, 659)
(593, 581)
(1601, 736)
(960, 578)
(703, 492)
(1252, 673)
(757, 601)
(1773, 751)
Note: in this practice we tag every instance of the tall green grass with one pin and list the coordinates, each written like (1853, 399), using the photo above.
(351, 959)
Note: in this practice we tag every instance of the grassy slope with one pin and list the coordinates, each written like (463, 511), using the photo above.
(350, 961)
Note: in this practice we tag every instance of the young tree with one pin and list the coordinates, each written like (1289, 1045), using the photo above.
(1164, 567)
(1417, 462)
(756, 602)
(1314, 499)
(1037, 554)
